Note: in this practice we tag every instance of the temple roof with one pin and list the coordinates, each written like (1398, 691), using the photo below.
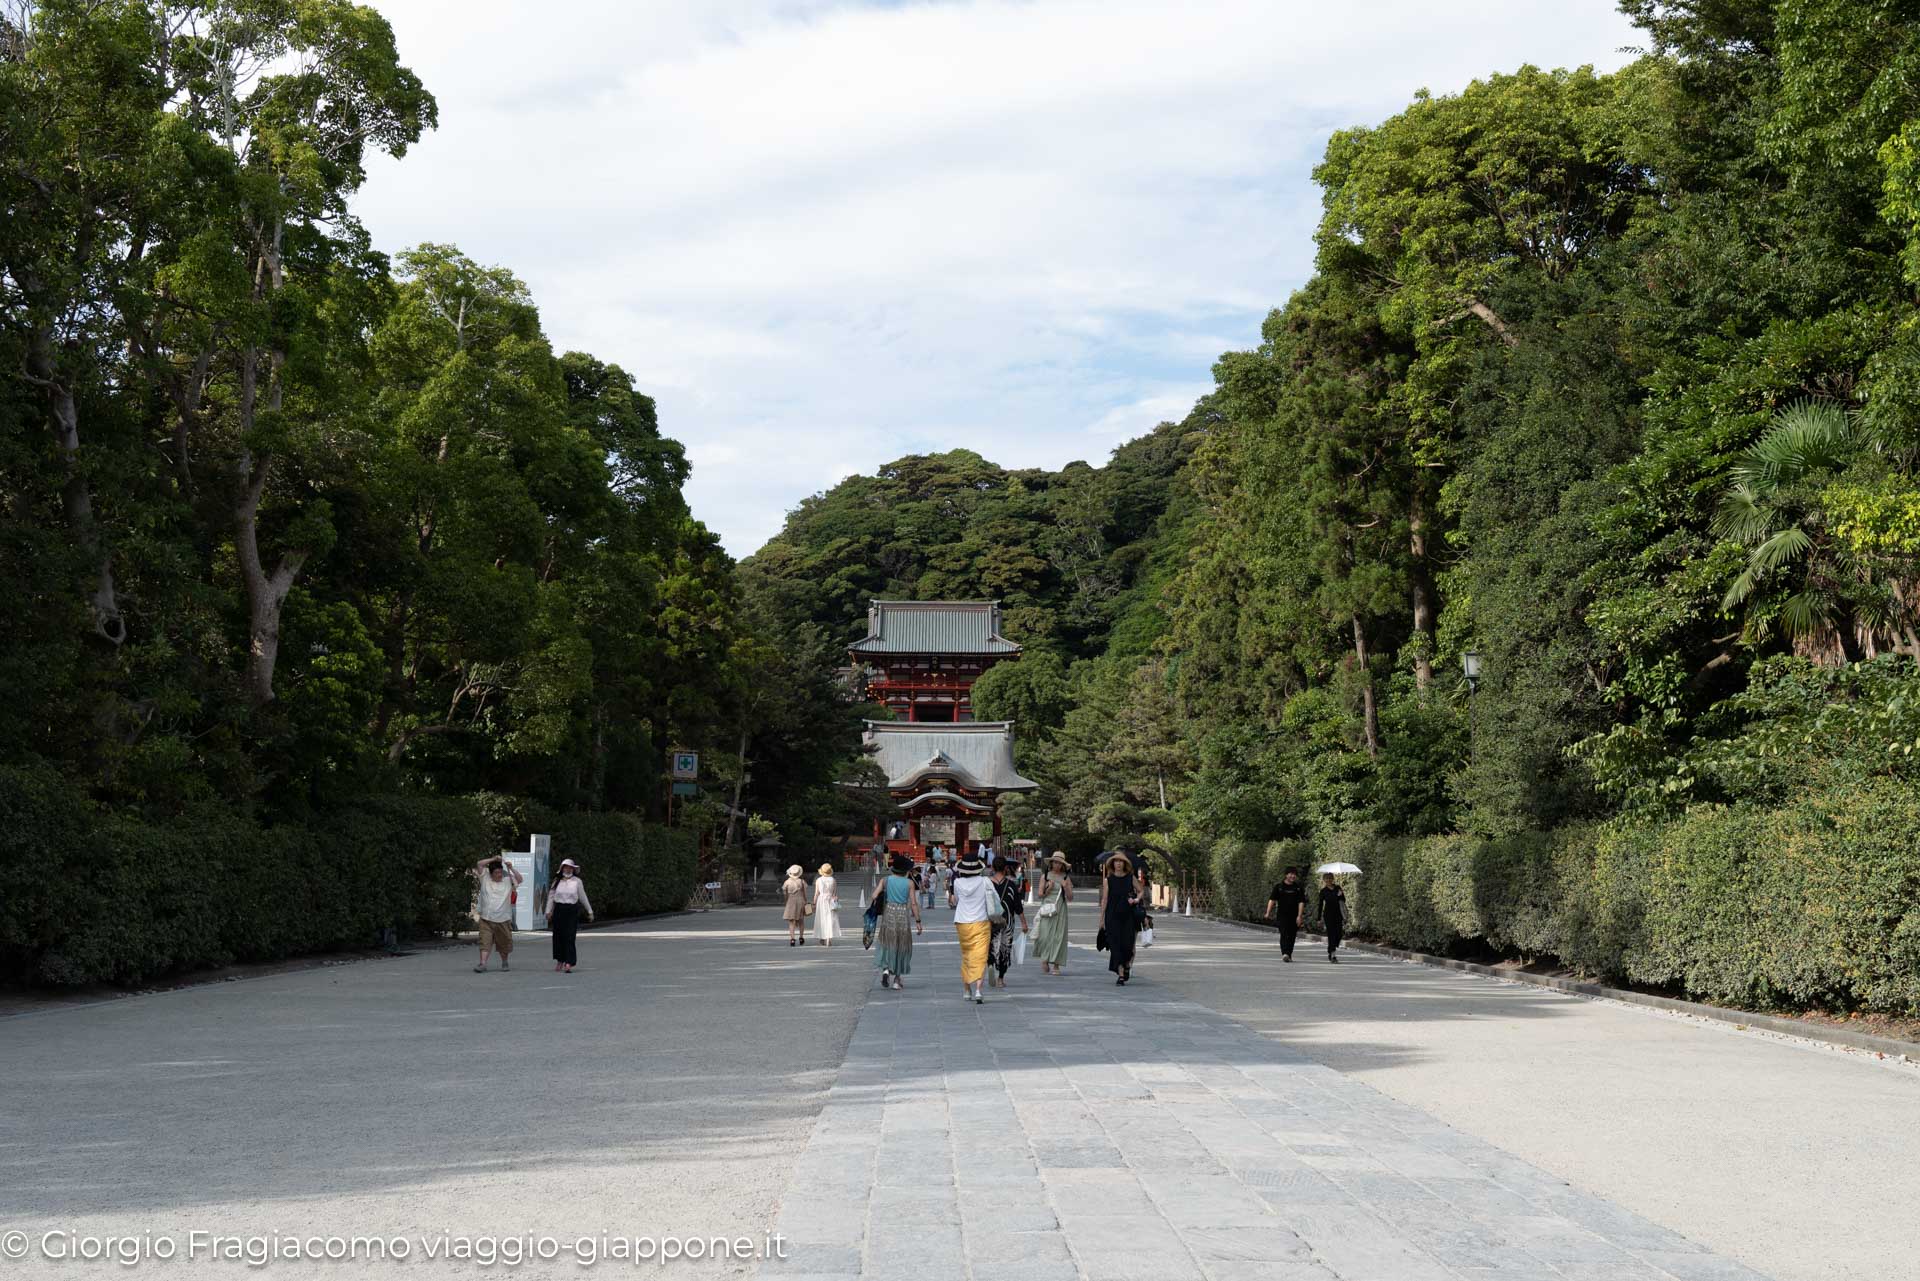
(933, 627)
(976, 755)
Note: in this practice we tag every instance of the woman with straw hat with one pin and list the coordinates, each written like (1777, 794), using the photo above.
(1050, 928)
(566, 900)
(826, 898)
(899, 922)
(1120, 913)
(795, 912)
(972, 921)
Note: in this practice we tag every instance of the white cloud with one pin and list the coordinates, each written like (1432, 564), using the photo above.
(824, 235)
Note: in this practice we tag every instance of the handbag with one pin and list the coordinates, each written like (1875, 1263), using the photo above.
(1050, 908)
(996, 906)
(1100, 940)
(1146, 934)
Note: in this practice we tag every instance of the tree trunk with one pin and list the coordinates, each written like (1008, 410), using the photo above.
(265, 592)
(76, 497)
(1422, 594)
(739, 791)
(1370, 711)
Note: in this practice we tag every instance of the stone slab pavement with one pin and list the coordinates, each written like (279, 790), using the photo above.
(698, 1078)
(1795, 1158)
(663, 1089)
(1071, 1129)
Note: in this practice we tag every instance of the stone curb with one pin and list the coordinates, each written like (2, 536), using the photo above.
(1718, 1014)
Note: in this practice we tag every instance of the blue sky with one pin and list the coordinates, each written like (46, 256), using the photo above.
(824, 235)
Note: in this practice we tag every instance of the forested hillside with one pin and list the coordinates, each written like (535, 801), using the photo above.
(1607, 380)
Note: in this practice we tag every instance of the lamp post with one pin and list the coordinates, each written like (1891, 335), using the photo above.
(1470, 668)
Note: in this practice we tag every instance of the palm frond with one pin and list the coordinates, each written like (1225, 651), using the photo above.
(1742, 517)
(1808, 613)
(1743, 587)
(1805, 437)
(1783, 548)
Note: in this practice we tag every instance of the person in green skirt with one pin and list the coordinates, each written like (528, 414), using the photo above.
(1050, 932)
(899, 922)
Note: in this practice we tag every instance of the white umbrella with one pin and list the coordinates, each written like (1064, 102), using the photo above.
(1339, 869)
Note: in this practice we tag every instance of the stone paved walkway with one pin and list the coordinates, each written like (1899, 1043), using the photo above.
(1072, 1129)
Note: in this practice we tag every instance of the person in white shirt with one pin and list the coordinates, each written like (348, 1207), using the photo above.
(566, 901)
(493, 905)
(972, 922)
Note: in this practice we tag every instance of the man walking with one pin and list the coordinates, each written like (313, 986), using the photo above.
(1289, 899)
(494, 905)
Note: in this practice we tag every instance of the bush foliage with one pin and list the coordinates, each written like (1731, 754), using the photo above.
(630, 867)
(109, 898)
(106, 898)
(1812, 903)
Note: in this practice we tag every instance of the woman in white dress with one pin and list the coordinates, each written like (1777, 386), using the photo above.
(826, 899)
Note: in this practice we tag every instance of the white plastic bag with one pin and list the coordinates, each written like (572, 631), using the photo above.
(1020, 948)
(1146, 937)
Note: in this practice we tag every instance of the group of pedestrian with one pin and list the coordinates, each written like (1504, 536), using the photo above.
(823, 906)
(1288, 902)
(993, 921)
(988, 895)
(493, 904)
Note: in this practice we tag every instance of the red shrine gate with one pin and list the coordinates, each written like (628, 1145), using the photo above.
(945, 771)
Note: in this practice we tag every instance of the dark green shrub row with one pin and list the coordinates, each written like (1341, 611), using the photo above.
(1245, 872)
(1810, 904)
(630, 867)
(112, 899)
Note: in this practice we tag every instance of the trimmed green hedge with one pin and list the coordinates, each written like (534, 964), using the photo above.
(630, 867)
(1245, 872)
(1810, 904)
(114, 899)
(96, 898)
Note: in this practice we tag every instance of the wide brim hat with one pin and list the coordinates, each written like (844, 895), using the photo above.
(1119, 856)
(826, 869)
(567, 862)
(969, 866)
(1059, 860)
(794, 870)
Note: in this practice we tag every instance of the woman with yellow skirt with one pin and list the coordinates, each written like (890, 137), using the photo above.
(968, 899)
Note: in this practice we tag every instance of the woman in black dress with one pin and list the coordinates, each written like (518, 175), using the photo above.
(1333, 913)
(1119, 915)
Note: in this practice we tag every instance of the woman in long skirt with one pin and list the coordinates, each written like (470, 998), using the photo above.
(1119, 901)
(971, 925)
(566, 900)
(899, 922)
(1013, 916)
(1050, 929)
(826, 901)
(794, 890)
(1333, 913)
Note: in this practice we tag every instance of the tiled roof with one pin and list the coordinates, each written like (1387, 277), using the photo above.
(934, 627)
(977, 755)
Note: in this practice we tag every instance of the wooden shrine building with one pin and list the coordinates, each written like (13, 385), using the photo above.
(945, 771)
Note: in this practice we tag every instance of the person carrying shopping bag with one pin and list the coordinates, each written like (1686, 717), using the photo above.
(972, 898)
(1050, 929)
(1000, 942)
(826, 902)
(899, 921)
